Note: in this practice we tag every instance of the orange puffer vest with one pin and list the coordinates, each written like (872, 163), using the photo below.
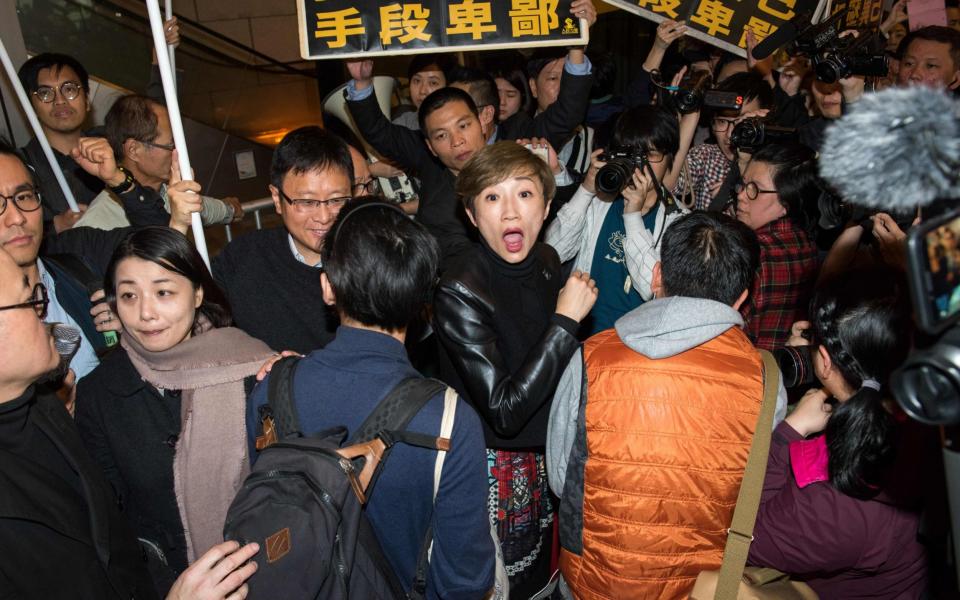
(666, 443)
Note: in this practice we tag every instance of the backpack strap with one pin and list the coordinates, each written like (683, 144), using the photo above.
(419, 588)
(278, 419)
(397, 409)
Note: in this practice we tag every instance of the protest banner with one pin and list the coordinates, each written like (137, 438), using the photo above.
(364, 28)
(723, 23)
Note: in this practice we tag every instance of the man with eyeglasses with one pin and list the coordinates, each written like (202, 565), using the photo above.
(70, 265)
(134, 160)
(59, 89)
(272, 276)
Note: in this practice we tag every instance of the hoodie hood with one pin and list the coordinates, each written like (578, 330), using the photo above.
(666, 327)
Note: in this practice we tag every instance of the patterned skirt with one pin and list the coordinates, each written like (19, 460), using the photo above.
(522, 510)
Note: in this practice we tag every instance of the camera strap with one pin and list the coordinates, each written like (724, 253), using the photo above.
(722, 199)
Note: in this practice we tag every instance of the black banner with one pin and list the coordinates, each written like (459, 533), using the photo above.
(353, 28)
(723, 23)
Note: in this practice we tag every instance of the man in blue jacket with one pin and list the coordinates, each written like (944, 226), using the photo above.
(378, 270)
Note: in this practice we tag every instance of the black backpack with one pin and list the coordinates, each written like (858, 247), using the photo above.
(303, 502)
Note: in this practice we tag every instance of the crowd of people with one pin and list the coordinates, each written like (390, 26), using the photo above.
(593, 275)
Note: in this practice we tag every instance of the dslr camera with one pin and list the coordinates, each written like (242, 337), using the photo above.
(752, 133)
(617, 173)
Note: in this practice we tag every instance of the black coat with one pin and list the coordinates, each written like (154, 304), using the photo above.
(504, 347)
(62, 537)
(131, 431)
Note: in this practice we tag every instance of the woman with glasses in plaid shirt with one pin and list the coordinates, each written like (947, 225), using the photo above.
(778, 183)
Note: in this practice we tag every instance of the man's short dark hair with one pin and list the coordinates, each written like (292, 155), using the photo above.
(935, 33)
(708, 255)
(8, 149)
(483, 88)
(130, 118)
(30, 70)
(542, 57)
(381, 264)
(649, 128)
(309, 149)
(751, 86)
(440, 98)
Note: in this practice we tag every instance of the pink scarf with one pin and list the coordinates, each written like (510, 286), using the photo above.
(211, 459)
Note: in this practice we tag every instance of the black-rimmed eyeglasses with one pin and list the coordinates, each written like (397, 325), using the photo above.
(752, 189)
(25, 200)
(167, 147)
(39, 301)
(370, 187)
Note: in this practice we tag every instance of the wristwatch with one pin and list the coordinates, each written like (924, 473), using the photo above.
(126, 185)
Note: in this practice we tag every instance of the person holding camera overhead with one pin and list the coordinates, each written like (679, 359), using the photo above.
(832, 513)
(615, 221)
(779, 181)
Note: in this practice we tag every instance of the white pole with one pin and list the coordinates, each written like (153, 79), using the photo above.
(168, 10)
(176, 124)
(35, 124)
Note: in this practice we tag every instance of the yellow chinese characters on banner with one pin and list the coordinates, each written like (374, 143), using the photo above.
(405, 22)
(533, 17)
(355, 28)
(336, 26)
(860, 13)
(471, 18)
(666, 7)
(714, 17)
(725, 23)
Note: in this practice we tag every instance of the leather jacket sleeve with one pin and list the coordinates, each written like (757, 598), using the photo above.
(464, 323)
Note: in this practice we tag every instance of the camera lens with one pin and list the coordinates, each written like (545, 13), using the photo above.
(796, 365)
(831, 69)
(613, 176)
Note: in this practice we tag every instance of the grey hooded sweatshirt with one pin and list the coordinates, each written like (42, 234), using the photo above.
(657, 329)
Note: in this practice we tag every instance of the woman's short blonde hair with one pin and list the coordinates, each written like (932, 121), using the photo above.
(498, 162)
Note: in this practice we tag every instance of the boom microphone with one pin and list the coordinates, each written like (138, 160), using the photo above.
(896, 150)
(782, 36)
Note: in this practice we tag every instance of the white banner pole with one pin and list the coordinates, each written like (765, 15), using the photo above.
(176, 123)
(168, 10)
(37, 130)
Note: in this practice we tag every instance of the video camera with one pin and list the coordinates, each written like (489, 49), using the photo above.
(694, 94)
(833, 57)
(752, 133)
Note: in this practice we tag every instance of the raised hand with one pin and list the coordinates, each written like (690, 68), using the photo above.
(577, 296)
(95, 156)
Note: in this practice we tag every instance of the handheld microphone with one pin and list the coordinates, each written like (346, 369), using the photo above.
(66, 339)
(896, 150)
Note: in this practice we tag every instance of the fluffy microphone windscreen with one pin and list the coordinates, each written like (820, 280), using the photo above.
(896, 149)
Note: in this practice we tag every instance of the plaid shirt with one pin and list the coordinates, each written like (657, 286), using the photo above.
(788, 268)
(707, 167)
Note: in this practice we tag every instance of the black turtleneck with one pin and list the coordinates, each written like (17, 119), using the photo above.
(21, 436)
(516, 304)
(526, 298)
